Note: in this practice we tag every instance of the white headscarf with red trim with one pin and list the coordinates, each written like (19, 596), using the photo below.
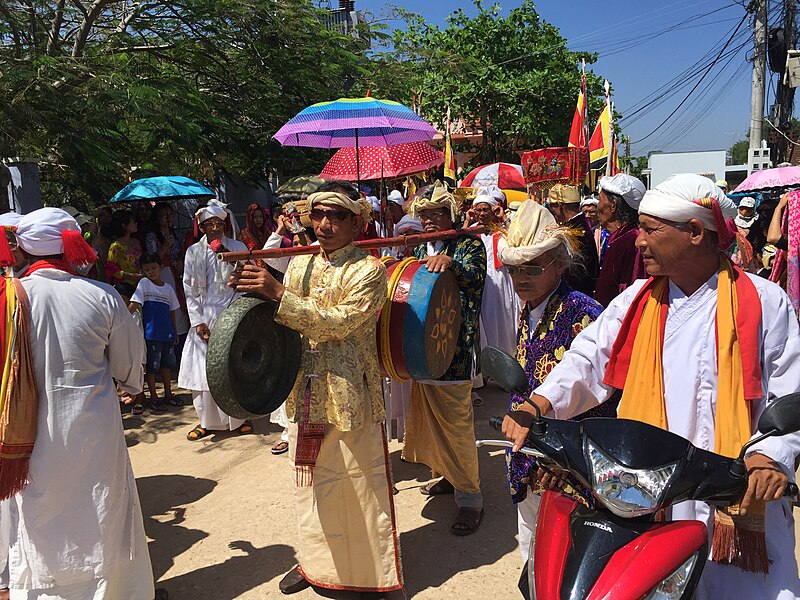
(51, 231)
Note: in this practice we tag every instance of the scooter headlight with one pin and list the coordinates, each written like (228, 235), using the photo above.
(672, 587)
(627, 492)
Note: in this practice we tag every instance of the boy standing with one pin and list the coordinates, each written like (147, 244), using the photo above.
(159, 305)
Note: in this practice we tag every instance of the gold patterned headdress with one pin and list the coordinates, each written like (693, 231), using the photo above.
(440, 198)
(534, 231)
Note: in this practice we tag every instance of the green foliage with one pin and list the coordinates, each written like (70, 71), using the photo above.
(513, 77)
(738, 154)
(186, 87)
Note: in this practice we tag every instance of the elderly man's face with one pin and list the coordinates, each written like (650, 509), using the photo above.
(534, 287)
(484, 212)
(590, 212)
(664, 245)
(606, 209)
(435, 219)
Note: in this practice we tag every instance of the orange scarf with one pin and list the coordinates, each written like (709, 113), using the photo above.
(636, 367)
(18, 397)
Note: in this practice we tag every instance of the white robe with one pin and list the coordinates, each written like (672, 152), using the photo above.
(501, 306)
(690, 383)
(205, 308)
(78, 524)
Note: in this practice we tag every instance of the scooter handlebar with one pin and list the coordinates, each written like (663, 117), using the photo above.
(496, 422)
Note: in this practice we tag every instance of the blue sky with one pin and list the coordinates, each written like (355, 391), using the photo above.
(719, 116)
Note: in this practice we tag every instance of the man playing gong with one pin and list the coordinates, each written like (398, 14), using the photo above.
(348, 537)
(440, 431)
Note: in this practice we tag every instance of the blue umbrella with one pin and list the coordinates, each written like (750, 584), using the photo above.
(163, 188)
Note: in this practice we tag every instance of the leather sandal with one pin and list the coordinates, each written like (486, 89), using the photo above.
(438, 488)
(197, 433)
(467, 522)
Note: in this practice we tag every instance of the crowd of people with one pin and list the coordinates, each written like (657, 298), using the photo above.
(654, 305)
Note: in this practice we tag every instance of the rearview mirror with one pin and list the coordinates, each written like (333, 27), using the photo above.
(781, 416)
(505, 370)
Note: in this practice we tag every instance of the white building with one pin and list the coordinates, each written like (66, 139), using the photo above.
(710, 163)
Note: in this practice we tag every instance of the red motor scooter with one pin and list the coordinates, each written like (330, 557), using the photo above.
(611, 546)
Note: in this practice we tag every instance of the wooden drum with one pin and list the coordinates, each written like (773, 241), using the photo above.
(419, 324)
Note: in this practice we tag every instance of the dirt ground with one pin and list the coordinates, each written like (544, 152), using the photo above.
(221, 518)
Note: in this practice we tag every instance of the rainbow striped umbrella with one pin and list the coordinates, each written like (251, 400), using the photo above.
(354, 122)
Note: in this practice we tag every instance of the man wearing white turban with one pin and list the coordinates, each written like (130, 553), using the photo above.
(205, 285)
(500, 306)
(726, 345)
(76, 528)
(620, 196)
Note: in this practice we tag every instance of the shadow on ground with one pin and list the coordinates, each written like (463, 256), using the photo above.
(423, 548)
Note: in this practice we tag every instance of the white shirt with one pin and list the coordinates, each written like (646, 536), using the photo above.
(78, 519)
(690, 386)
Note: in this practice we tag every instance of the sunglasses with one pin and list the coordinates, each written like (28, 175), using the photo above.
(338, 216)
(531, 270)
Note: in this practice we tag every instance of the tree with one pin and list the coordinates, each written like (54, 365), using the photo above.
(104, 88)
(512, 77)
(739, 153)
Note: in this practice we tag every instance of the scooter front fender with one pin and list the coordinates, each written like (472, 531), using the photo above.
(581, 554)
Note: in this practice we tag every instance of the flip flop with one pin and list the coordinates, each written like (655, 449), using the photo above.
(467, 522)
(137, 409)
(438, 488)
(197, 433)
(173, 400)
(280, 448)
(476, 400)
(246, 427)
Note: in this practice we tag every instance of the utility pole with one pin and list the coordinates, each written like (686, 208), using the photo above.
(759, 8)
(784, 96)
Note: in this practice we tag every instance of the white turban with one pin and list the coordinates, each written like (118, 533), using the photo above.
(676, 200)
(52, 231)
(215, 208)
(376, 204)
(218, 209)
(496, 193)
(39, 232)
(484, 196)
(408, 224)
(589, 201)
(396, 197)
(10, 219)
(629, 187)
(532, 232)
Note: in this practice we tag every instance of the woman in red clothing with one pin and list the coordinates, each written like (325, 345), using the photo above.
(257, 227)
(618, 212)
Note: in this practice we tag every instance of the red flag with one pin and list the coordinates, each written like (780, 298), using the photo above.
(579, 133)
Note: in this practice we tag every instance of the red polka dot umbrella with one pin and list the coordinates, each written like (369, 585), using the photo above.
(382, 161)
(503, 175)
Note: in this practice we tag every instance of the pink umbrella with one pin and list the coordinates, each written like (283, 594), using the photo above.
(376, 162)
(503, 175)
(770, 180)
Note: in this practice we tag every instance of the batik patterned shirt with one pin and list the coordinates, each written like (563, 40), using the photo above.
(334, 304)
(567, 314)
(469, 267)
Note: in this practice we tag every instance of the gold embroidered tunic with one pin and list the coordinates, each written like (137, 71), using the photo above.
(334, 304)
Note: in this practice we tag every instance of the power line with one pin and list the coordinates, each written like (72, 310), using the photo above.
(696, 85)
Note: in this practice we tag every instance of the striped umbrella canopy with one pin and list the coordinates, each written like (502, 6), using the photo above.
(382, 161)
(503, 175)
(354, 122)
